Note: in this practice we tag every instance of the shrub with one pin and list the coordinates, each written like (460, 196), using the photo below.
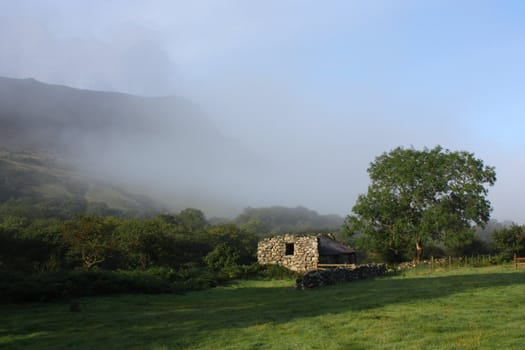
(510, 240)
(277, 272)
(18, 287)
(223, 255)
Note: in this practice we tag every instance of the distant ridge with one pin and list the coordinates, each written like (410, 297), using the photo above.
(165, 147)
(39, 115)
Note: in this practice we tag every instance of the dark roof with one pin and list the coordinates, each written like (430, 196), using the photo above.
(328, 246)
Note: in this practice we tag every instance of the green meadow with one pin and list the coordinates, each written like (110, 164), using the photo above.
(467, 308)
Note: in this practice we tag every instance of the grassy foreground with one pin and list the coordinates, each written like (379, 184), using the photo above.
(476, 308)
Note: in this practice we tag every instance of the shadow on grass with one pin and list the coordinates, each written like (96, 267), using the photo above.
(245, 307)
(130, 321)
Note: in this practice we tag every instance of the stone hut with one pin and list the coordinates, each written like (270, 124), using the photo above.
(302, 253)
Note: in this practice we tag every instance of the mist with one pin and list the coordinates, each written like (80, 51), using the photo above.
(278, 103)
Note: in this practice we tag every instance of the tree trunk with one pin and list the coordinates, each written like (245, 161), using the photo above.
(419, 250)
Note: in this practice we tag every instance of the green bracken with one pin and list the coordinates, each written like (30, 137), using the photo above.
(465, 308)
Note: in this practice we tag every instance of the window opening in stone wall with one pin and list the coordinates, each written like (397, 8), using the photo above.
(289, 249)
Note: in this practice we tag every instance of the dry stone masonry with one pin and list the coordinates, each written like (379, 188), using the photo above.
(295, 252)
(315, 279)
(303, 253)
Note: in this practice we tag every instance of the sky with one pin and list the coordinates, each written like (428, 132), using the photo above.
(320, 88)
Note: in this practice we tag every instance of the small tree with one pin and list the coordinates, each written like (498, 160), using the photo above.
(416, 197)
(243, 242)
(191, 220)
(145, 243)
(222, 256)
(90, 239)
(510, 240)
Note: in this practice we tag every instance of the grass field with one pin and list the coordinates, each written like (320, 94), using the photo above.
(468, 308)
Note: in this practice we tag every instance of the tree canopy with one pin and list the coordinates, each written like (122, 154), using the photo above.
(510, 240)
(421, 196)
(278, 219)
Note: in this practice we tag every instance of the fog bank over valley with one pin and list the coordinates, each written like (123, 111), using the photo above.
(227, 105)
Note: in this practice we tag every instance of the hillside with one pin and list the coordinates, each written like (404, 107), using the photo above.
(278, 219)
(45, 116)
(40, 185)
(164, 147)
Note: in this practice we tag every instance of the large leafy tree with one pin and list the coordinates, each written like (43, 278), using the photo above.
(421, 196)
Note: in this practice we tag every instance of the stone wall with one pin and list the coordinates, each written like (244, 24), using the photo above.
(316, 279)
(305, 252)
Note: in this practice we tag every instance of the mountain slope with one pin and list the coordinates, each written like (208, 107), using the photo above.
(41, 113)
(39, 185)
(164, 147)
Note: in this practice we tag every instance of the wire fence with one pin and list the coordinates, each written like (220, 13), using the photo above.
(452, 262)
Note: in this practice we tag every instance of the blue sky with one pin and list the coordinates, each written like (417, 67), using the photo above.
(321, 88)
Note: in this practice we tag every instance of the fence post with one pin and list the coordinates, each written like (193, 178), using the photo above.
(515, 262)
(449, 262)
(432, 263)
